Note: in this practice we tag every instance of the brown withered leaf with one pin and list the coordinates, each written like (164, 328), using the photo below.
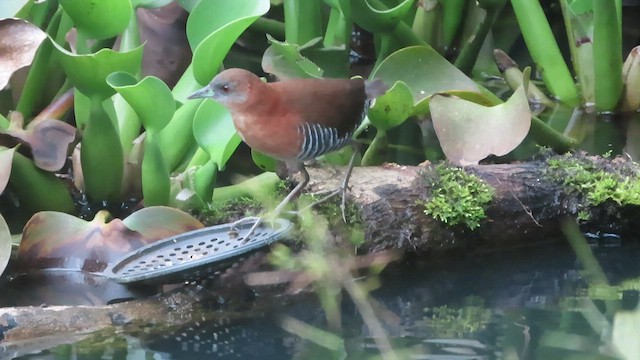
(19, 41)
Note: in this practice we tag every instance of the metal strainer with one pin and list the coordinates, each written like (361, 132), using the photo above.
(194, 255)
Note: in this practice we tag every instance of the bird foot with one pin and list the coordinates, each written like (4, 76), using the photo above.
(328, 196)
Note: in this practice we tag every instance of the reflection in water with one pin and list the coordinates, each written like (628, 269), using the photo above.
(522, 304)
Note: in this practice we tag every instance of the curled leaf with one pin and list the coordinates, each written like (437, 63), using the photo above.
(469, 132)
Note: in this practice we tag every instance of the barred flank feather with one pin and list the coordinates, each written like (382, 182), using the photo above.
(319, 140)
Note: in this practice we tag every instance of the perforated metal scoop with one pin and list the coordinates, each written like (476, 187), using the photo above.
(194, 255)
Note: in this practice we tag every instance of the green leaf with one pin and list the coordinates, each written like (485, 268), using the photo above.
(468, 132)
(212, 31)
(38, 189)
(150, 98)
(264, 162)
(88, 73)
(155, 174)
(101, 156)
(99, 19)
(205, 181)
(285, 61)
(215, 133)
(392, 108)
(5, 244)
(375, 20)
(425, 72)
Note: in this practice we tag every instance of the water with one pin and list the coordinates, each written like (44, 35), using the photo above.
(528, 303)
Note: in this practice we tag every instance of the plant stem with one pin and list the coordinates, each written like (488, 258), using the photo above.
(302, 21)
(607, 54)
(544, 50)
(272, 27)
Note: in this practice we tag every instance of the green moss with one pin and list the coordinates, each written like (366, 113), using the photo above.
(584, 176)
(231, 210)
(457, 197)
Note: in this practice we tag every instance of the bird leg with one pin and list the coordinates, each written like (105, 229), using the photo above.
(292, 195)
(344, 186)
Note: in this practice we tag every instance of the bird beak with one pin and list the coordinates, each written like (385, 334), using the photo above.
(205, 92)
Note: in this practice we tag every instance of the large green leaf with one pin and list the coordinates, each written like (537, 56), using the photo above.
(469, 132)
(155, 174)
(99, 19)
(88, 73)
(424, 70)
(392, 108)
(38, 189)
(215, 133)
(150, 98)
(377, 20)
(101, 155)
(213, 27)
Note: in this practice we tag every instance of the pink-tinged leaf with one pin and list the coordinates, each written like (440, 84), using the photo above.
(19, 41)
(49, 141)
(6, 159)
(57, 240)
(469, 132)
(5, 244)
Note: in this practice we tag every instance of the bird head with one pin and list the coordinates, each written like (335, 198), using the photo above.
(232, 88)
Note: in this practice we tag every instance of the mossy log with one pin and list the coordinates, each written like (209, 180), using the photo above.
(529, 203)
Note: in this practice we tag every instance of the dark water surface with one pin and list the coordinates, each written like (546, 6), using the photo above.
(528, 303)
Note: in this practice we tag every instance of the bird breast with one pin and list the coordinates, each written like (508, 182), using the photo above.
(269, 135)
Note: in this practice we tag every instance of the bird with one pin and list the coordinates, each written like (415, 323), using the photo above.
(294, 120)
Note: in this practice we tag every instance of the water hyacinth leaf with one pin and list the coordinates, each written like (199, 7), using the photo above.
(101, 156)
(38, 189)
(88, 73)
(49, 141)
(204, 181)
(212, 32)
(99, 19)
(375, 20)
(150, 98)
(6, 159)
(467, 131)
(392, 108)
(264, 162)
(425, 72)
(159, 222)
(5, 244)
(286, 62)
(215, 133)
(421, 109)
(155, 174)
(57, 240)
(150, 3)
(20, 42)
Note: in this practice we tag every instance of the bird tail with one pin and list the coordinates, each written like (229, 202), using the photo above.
(374, 88)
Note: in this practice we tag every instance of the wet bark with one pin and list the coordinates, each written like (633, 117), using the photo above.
(528, 207)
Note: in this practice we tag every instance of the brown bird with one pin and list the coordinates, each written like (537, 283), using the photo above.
(294, 120)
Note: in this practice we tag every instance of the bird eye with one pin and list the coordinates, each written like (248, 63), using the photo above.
(225, 88)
